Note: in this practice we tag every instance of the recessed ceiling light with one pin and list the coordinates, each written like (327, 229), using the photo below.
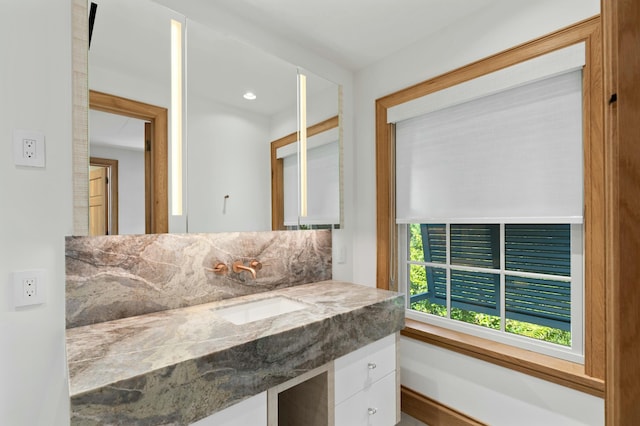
(249, 96)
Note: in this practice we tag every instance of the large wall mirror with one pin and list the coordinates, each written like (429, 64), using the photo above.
(226, 159)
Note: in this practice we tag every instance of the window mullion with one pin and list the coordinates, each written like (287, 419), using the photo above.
(577, 289)
(404, 239)
(503, 303)
(448, 245)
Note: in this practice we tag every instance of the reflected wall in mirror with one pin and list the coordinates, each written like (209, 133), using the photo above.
(229, 160)
(228, 136)
(226, 161)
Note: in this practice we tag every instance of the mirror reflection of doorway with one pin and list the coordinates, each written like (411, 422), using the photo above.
(103, 196)
(134, 135)
(120, 139)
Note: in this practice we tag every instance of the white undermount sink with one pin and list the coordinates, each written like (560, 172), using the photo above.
(244, 313)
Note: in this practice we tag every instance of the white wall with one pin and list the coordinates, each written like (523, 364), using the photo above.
(439, 374)
(495, 395)
(321, 104)
(35, 208)
(131, 196)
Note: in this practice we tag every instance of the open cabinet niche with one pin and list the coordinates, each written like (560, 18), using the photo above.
(304, 400)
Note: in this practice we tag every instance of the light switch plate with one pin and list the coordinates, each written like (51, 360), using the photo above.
(28, 148)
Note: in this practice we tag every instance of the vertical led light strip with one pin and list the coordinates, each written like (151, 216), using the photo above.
(302, 131)
(176, 118)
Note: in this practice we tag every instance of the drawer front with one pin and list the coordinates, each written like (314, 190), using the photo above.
(373, 406)
(252, 411)
(359, 369)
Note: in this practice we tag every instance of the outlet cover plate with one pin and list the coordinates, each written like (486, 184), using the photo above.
(29, 287)
(28, 148)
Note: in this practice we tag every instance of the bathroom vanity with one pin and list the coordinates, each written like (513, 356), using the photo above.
(365, 392)
(335, 358)
(287, 353)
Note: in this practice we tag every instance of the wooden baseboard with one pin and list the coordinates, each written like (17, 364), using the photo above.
(432, 412)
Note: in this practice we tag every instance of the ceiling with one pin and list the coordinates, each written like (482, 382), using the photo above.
(353, 33)
(350, 33)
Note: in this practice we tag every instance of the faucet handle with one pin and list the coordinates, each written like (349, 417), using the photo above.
(255, 264)
(219, 269)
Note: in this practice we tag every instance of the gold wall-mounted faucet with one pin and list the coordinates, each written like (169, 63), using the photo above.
(238, 266)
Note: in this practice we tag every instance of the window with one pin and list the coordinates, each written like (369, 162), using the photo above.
(453, 89)
(514, 280)
(482, 176)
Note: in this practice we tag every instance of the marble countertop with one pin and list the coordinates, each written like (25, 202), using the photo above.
(180, 365)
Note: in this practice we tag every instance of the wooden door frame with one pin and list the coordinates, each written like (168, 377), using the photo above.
(158, 117)
(112, 165)
(148, 177)
(621, 30)
(97, 183)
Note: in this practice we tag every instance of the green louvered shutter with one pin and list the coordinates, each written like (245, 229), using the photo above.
(543, 249)
(536, 248)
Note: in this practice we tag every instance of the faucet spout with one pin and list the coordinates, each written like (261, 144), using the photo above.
(238, 266)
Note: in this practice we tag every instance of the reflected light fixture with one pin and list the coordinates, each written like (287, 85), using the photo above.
(302, 138)
(176, 118)
(250, 96)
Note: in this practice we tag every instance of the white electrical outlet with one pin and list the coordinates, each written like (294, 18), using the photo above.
(28, 287)
(28, 148)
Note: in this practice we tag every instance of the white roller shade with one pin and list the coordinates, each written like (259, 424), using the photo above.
(323, 176)
(514, 156)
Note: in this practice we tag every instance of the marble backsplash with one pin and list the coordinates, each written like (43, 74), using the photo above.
(115, 277)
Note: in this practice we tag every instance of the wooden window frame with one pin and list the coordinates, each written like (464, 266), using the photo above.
(589, 377)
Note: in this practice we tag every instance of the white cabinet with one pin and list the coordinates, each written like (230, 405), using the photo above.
(375, 405)
(366, 385)
(252, 411)
(360, 388)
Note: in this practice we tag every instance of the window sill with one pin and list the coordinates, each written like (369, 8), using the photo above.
(544, 367)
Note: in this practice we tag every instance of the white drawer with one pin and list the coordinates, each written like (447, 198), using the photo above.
(252, 411)
(359, 369)
(373, 406)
